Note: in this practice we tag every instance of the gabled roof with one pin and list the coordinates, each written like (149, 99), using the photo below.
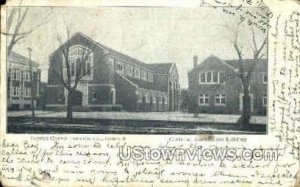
(248, 63)
(234, 64)
(161, 68)
(113, 52)
(212, 59)
(17, 58)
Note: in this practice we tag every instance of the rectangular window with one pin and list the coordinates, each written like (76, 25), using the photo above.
(94, 95)
(150, 77)
(265, 100)
(26, 75)
(202, 77)
(220, 99)
(147, 98)
(144, 74)
(166, 100)
(84, 68)
(15, 91)
(209, 77)
(16, 74)
(72, 69)
(265, 78)
(215, 77)
(60, 97)
(27, 91)
(88, 68)
(203, 100)
(139, 96)
(159, 99)
(221, 78)
(154, 98)
(137, 73)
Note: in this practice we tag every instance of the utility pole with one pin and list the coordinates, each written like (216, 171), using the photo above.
(31, 83)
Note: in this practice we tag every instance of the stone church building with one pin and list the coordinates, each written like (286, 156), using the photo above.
(110, 80)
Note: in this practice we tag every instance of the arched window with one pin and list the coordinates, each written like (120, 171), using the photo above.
(80, 60)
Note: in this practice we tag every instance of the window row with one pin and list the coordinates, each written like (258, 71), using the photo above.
(17, 74)
(80, 68)
(218, 99)
(16, 91)
(174, 85)
(80, 60)
(149, 98)
(133, 71)
(211, 77)
(214, 77)
(203, 100)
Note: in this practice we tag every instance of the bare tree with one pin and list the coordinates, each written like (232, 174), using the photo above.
(66, 76)
(16, 20)
(242, 73)
(15, 31)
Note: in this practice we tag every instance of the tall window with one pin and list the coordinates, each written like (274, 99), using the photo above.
(94, 96)
(60, 97)
(131, 71)
(159, 99)
(265, 78)
(203, 100)
(27, 91)
(15, 91)
(26, 75)
(154, 98)
(211, 77)
(15, 74)
(139, 96)
(72, 69)
(144, 74)
(147, 98)
(265, 100)
(150, 77)
(202, 78)
(80, 59)
(88, 67)
(220, 99)
(137, 73)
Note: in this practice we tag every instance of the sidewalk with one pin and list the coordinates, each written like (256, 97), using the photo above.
(149, 116)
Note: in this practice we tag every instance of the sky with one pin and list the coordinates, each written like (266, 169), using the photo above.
(152, 35)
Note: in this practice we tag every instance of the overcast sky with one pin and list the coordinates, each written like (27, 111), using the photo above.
(152, 35)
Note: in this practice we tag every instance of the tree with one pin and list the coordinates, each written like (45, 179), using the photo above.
(33, 91)
(242, 73)
(17, 17)
(70, 76)
(15, 33)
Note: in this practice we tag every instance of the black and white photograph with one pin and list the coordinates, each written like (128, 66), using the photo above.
(128, 70)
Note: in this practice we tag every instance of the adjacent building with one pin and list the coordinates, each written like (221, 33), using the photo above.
(214, 88)
(19, 83)
(110, 80)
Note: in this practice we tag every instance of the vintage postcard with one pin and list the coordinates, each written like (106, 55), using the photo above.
(163, 93)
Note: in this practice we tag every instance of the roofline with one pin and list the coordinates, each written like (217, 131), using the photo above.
(105, 50)
(171, 67)
(25, 62)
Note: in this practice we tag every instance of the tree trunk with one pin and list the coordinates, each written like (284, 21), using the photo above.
(245, 118)
(70, 106)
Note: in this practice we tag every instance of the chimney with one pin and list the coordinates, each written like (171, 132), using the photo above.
(195, 60)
